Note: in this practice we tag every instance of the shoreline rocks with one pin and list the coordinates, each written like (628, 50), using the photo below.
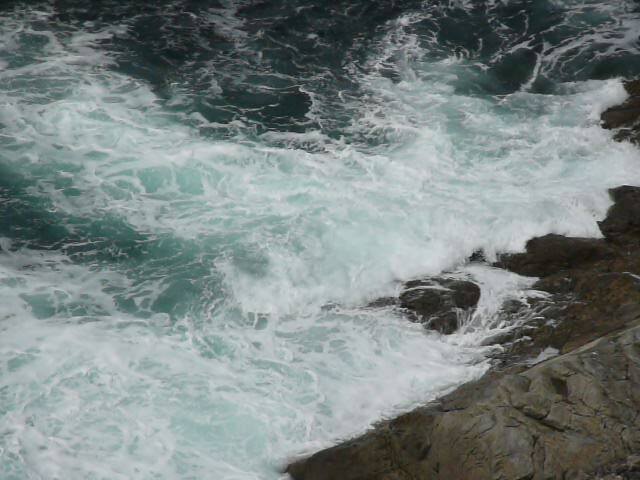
(553, 253)
(573, 416)
(438, 302)
(563, 417)
(592, 293)
(625, 118)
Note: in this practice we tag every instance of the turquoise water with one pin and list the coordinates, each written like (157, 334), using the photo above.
(196, 203)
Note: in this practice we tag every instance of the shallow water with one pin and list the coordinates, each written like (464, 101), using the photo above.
(198, 198)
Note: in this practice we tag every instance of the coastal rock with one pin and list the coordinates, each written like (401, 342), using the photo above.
(562, 418)
(552, 253)
(622, 225)
(600, 303)
(594, 284)
(625, 117)
(437, 302)
(628, 469)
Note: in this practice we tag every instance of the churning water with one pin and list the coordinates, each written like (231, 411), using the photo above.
(197, 199)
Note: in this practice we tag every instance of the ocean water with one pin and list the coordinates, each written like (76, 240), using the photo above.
(199, 199)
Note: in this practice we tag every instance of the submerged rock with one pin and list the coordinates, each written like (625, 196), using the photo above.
(437, 302)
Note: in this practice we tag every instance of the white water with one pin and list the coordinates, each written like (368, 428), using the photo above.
(258, 368)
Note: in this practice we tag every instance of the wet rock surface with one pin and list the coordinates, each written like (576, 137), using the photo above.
(592, 293)
(552, 253)
(622, 225)
(625, 118)
(573, 416)
(439, 302)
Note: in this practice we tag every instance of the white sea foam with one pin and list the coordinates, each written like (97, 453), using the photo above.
(111, 396)
(337, 226)
(277, 357)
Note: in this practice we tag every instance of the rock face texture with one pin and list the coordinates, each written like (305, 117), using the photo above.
(559, 419)
(622, 225)
(554, 253)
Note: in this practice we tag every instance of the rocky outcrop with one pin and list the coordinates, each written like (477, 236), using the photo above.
(560, 419)
(553, 253)
(593, 284)
(622, 225)
(439, 302)
(628, 469)
(625, 118)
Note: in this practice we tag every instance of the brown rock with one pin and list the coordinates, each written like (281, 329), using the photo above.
(437, 302)
(622, 115)
(564, 418)
(553, 253)
(622, 224)
(625, 117)
(594, 284)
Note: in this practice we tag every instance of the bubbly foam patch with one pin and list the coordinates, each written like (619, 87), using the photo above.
(110, 395)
